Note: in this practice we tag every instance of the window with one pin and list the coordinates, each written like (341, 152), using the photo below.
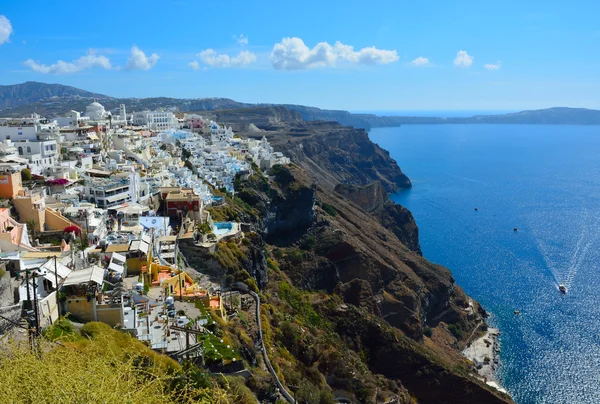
(20, 151)
(28, 149)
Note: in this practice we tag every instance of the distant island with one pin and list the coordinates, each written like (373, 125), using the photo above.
(52, 100)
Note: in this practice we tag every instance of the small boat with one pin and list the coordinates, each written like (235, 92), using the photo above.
(517, 312)
(562, 288)
(476, 208)
(515, 229)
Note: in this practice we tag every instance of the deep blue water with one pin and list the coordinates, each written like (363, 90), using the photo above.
(435, 113)
(545, 181)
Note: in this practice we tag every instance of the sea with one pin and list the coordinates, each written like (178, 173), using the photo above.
(537, 225)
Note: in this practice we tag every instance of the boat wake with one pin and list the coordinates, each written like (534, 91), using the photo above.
(556, 256)
(465, 178)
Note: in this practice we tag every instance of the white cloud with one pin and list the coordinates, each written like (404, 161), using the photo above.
(139, 61)
(214, 59)
(241, 39)
(5, 29)
(463, 59)
(493, 66)
(420, 61)
(88, 61)
(293, 54)
(194, 65)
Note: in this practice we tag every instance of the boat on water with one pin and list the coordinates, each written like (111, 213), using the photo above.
(517, 312)
(562, 288)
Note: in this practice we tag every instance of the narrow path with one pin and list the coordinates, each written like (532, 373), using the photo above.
(282, 389)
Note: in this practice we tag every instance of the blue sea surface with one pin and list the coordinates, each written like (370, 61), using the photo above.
(544, 181)
(434, 113)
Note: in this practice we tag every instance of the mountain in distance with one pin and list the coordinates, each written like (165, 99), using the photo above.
(32, 91)
(53, 100)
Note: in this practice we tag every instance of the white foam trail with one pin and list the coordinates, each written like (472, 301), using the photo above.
(465, 178)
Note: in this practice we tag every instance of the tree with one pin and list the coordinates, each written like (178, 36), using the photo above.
(32, 228)
(26, 174)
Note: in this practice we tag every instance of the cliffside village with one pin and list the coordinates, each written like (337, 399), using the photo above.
(94, 206)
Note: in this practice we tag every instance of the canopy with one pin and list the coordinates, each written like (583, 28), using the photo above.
(92, 274)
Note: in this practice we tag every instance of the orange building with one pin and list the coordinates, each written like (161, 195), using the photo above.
(10, 184)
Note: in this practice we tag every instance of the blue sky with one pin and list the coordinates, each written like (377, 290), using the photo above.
(396, 55)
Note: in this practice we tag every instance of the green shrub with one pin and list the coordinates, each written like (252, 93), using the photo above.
(329, 209)
(309, 242)
(456, 331)
(273, 265)
(252, 285)
(296, 256)
(428, 332)
(26, 174)
(245, 241)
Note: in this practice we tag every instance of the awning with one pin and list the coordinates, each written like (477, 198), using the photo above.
(146, 238)
(61, 269)
(118, 258)
(117, 197)
(139, 245)
(93, 136)
(116, 267)
(92, 274)
(117, 247)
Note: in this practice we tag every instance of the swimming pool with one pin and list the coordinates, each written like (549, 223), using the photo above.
(222, 228)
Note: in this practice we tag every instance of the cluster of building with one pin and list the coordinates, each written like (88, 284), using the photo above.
(98, 203)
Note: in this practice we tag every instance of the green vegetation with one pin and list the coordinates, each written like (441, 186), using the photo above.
(273, 265)
(455, 330)
(229, 256)
(62, 329)
(80, 371)
(428, 332)
(309, 242)
(2, 272)
(225, 213)
(299, 303)
(329, 209)
(204, 228)
(295, 255)
(282, 175)
(26, 174)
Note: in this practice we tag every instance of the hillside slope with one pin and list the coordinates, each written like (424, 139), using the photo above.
(345, 274)
(32, 91)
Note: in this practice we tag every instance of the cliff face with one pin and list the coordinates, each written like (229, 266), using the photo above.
(373, 199)
(330, 226)
(334, 154)
(390, 293)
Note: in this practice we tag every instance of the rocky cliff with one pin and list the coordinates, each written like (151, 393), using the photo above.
(334, 154)
(350, 307)
(373, 199)
(388, 294)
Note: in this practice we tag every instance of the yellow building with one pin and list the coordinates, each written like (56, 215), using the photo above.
(32, 207)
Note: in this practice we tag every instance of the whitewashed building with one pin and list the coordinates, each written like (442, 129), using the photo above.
(155, 120)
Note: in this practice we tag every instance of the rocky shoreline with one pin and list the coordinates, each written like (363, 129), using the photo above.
(484, 353)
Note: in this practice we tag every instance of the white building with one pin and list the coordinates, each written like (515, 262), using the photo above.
(155, 120)
(108, 192)
(114, 191)
(72, 119)
(96, 112)
(41, 154)
(17, 129)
